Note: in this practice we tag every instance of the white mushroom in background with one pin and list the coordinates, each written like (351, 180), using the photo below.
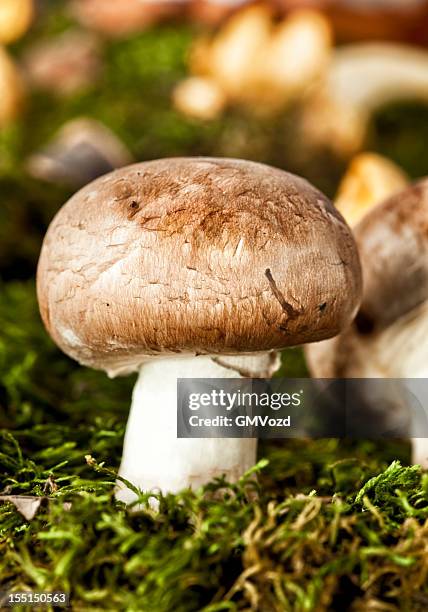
(234, 53)
(389, 337)
(15, 19)
(192, 267)
(296, 58)
(254, 61)
(370, 179)
(199, 97)
(361, 79)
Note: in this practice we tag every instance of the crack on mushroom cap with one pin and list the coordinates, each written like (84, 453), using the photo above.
(186, 272)
(289, 310)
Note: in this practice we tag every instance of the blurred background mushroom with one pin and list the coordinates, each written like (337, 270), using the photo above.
(355, 20)
(11, 89)
(369, 179)
(199, 97)
(231, 57)
(296, 58)
(122, 18)
(82, 150)
(361, 79)
(15, 19)
(213, 12)
(389, 336)
(259, 62)
(65, 64)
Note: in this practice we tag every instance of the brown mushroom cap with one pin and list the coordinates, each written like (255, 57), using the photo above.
(392, 241)
(393, 247)
(195, 255)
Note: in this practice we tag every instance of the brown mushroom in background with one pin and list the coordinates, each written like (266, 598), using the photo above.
(121, 18)
(15, 19)
(82, 150)
(11, 89)
(399, 20)
(64, 64)
(357, 20)
(389, 337)
(192, 267)
(212, 12)
(362, 78)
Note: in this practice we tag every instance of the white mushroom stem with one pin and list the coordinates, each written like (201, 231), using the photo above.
(398, 352)
(401, 352)
(153, 457)
(361, 79)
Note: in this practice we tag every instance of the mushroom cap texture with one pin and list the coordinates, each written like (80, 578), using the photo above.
(392, 241)
(196, 256)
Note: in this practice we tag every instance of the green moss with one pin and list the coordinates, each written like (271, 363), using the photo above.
(400, 132)
(323, 514)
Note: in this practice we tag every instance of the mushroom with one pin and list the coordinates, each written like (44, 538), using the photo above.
(361, 79)
(199, 97)
(192, 267)
(64, 64)
(389, 337)
(254, 61)
(224, 67)
(15, 19)
(124, 17)
(80, 151)
(380, 19)
(11, 88)
(213, 11)
(370, 179)
(296, 58)
(234, 53)
(399, 20)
